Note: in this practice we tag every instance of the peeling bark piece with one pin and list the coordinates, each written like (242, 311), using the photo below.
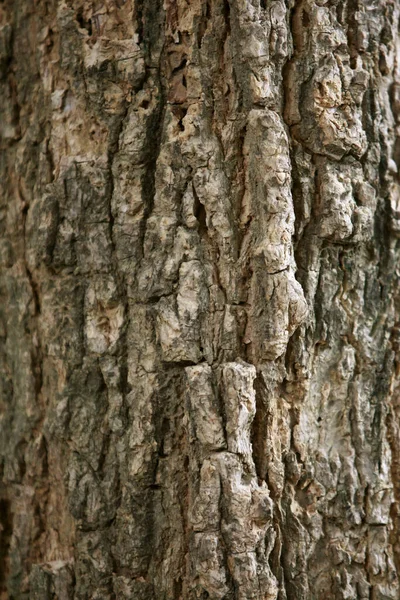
(209, 571)
(240, 406)
(179, 319)
(205, 421)
(105, 315)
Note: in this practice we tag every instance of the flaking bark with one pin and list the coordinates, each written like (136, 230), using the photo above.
(199, 318)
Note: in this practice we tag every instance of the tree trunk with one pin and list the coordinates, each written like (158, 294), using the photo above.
(200, 308)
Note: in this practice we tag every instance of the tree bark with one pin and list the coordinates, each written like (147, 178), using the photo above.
(200, 308)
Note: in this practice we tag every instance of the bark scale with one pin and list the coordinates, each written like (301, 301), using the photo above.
(199, 319)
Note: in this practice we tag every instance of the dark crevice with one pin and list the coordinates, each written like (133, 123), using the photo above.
(6, 529)
(36, 352)
(138, 17)
(227, 17)
(179, 111)
(230, 580)
(152, 151)
(258, 433)
(240, 177)
(83, 23)
(171, 365)
(164, 431)
(35, 292)
(180, 67)
(352, 31)
(200, 214)
(203, 24)
(123, 382)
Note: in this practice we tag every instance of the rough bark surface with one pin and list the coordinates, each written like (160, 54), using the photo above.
(200, 315)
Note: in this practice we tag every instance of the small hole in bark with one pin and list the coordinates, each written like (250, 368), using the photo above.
(201, 216)
(145, 104)
(83, 24)
(180, 113)
(79, 18)
(263, 4)
(353, 62)
(178, 588)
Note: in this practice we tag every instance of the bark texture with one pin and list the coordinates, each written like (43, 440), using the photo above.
(200, 315)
